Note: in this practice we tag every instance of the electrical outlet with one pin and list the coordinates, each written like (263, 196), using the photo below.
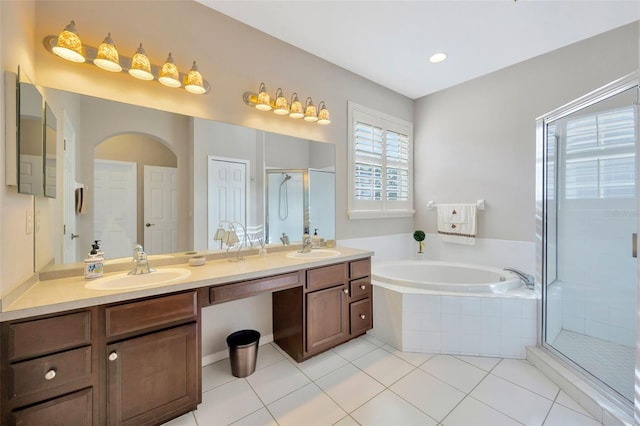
(29, 224)
(37, 221)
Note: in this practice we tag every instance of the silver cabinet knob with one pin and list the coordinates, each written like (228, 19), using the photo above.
(50, 375)
(363, 316)
(363, 287)
(113, 356)
(346, 291)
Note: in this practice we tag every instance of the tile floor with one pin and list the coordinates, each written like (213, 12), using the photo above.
(612, 363)
(368, 383)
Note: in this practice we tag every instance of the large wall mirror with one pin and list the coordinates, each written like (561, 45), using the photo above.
(137, 175)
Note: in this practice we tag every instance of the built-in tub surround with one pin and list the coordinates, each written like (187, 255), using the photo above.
(439, 320)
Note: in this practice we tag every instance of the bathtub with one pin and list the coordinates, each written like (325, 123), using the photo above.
(444, 276)
(453, 308)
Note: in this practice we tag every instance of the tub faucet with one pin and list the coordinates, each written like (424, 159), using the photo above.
(140, 258)
(528, 279)
(307, 245)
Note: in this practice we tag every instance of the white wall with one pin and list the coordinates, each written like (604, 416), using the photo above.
(477, 140)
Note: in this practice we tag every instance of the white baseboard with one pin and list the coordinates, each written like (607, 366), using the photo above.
(215, 357)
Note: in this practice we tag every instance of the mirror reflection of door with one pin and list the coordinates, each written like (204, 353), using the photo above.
(148, 199)
(160, 209)
(227, 195)
(70, 234)
(114, 201)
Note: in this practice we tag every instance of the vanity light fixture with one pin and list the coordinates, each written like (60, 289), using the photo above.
(107, 58)
(193, 82)
(295, 109)
(310, 113)
(68, 46)
(169, 75)
(323, 115)
(281, 106)
(141, 66)
(264, 100)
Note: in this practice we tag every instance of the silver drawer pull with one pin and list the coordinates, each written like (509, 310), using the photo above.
(363, 316)
(113, 356)
(346, 291)
(363, 287)
(50, 375)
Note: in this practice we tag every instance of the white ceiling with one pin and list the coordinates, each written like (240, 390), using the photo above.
(389, 42)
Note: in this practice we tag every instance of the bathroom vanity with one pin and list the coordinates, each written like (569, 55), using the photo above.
(134, 357)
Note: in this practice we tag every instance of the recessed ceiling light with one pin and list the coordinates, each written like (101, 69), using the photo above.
(438, 57)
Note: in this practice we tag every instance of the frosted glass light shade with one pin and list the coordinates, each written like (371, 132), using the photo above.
(310, 113)
(193, 82)
(107, 57)
(140, 65)
(264, 100)
(68, 46)
(296, 110)
(282, 107)
(323, 115)
(169, 75)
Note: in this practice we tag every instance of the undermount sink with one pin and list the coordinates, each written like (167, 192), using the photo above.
(314, 254)
(124, 281)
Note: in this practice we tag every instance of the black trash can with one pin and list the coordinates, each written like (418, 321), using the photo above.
(243, 352)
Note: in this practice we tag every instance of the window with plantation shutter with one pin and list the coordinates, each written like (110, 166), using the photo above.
(381, 165)
(600, 155)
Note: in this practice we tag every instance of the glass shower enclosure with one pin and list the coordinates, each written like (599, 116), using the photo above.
(299, 200)
(587, 208)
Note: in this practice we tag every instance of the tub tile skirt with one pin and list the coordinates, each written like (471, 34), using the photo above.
(456, 325)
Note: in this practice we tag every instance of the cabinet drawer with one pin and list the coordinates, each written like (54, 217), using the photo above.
(151, 314)
(239, 290)
(361, 316)
(39, 337)
(73, 409)
(49, 372)
(360, 289)
(327, 276)
(360, 268)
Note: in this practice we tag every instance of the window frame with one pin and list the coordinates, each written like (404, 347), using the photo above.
(378, 209)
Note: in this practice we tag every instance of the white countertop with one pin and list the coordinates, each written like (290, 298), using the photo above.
(57, 295)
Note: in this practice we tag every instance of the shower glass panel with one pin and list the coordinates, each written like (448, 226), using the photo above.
(590, 204)
(286, 204)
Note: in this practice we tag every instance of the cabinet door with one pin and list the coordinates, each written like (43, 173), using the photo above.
(327, 318)
(153, 378)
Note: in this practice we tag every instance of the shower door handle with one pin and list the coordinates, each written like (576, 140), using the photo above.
(634, 244)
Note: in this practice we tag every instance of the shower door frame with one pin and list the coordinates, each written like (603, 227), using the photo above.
(542, 226)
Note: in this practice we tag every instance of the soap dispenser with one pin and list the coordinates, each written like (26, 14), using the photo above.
(99, 251)
(93, 265)
(315, 240)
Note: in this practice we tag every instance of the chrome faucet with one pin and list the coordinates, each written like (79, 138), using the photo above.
(140, 259)
(307, 245)
(528, 279)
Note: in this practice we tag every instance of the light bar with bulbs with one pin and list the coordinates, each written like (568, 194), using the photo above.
(68, 46)
(280, 106)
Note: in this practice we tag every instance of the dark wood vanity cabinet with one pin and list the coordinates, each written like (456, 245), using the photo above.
(153, 359)
(333, 306)
(49, 368)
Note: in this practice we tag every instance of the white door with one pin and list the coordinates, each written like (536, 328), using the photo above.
(69, 239)
(227, 194)
(115, 209)
(31, 174)
(160, 209)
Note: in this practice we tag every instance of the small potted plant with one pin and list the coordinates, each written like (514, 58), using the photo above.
(419, 237)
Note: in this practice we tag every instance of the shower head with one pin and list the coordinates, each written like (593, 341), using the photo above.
(286, 177)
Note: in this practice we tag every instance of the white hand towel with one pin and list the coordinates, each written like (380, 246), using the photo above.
(459, 227)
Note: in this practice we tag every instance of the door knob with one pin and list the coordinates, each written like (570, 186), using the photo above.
(74, 236)
(148, 225)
